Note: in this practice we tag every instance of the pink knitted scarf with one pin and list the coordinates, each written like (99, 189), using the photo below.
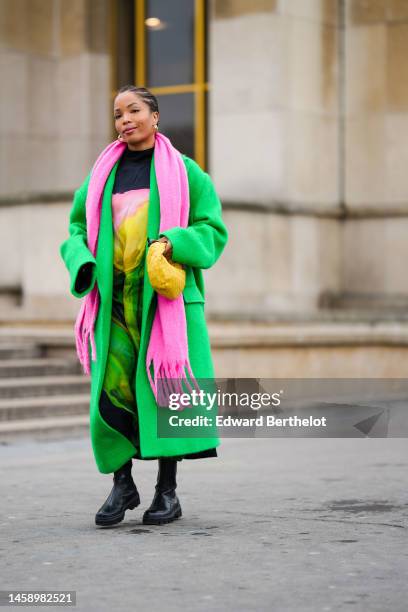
(168, 344)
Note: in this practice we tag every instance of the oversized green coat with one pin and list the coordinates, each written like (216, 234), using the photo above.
(198, 246)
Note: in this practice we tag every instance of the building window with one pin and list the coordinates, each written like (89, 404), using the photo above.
(162, 45)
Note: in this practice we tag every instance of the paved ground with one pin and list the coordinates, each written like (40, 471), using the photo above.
(271, 524)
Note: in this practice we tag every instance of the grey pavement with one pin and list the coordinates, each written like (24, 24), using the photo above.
(271, 524)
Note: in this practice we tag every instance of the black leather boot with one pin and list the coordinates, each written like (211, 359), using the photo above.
(165, 506)
(124, 496)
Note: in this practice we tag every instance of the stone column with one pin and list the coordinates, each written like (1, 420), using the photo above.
(375, 246)
(55, 118)
(274, 153)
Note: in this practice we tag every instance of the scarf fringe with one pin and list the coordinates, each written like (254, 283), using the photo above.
(84, 330)
(169, 378)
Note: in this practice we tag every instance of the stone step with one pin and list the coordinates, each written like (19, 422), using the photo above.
(36, 386)
(42, 366)
(19, 350)
(44, 427)
(16, 409)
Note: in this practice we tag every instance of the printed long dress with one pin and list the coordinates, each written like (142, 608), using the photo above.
(130, 202)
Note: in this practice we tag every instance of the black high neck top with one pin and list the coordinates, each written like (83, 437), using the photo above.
(133, 170)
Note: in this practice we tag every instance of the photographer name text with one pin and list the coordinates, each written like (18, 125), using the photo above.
(269, 420)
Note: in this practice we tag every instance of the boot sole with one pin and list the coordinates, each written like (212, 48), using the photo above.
(118, 518)
(162, 521)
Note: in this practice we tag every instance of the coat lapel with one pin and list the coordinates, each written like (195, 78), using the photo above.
(104, 258)
(153, 224)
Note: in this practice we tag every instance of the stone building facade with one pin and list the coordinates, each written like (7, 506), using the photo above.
(306, 143)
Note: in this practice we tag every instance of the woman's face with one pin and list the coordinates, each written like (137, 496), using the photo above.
(134, 120)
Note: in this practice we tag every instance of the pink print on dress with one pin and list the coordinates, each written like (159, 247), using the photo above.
(126, 204)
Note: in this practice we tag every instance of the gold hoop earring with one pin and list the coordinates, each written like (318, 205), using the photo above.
(119, 136)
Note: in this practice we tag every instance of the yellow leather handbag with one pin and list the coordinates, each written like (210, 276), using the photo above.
(167, 277)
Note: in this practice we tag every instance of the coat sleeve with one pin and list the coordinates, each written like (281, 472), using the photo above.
(74, 251)
(202, 242)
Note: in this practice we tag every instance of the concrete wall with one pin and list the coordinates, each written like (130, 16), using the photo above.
(55, 118)
(55, 110)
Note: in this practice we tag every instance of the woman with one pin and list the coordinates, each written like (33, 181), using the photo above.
(110, 232)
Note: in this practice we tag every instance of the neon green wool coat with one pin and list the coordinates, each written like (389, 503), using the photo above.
(198, 246)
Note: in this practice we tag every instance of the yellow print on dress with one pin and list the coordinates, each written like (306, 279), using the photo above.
(129, 215)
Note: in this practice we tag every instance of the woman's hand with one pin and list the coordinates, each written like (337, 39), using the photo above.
(168, 251)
